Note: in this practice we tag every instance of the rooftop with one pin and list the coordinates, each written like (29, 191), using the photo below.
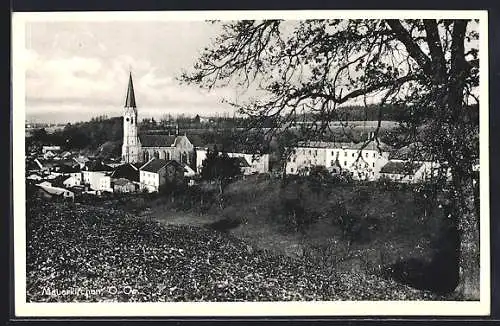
(406, 168)
(154, 165)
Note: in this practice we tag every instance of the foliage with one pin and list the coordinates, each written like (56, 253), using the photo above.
(314, 66)
(83, 135)
(219, 167)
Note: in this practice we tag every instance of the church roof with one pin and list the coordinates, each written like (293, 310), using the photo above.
(156, 140)
(130, 101)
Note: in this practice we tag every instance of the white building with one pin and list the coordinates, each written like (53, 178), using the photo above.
(56, 191)
(405, 171)
(157, 172)
(71, 182)
(363, 160)
(97, 180)
(258, 163)
(46, 149)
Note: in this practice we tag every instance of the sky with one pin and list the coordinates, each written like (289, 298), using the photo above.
(78, 70)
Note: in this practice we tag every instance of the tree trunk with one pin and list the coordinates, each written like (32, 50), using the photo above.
(469, 252)
(468, 287)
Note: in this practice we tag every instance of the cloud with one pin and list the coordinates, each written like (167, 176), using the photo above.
(96, 82)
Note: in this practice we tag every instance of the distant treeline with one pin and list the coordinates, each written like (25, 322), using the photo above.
(82, 135)
(388, 112)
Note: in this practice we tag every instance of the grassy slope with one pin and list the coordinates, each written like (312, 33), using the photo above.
(389, 219)
(91, 247)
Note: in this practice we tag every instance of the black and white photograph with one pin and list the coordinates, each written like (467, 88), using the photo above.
(252, 163)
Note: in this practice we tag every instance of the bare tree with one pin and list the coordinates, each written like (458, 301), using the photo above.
(429, 67)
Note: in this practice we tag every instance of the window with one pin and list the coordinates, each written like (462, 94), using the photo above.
(373, 155)
(309, 152)
(352, 154)
(366, 155)
(331, 163)
(293, 160)
(373, 164)
(345, 163)
(345, 153)
(315, 152)
(333, 153)
(291, 170)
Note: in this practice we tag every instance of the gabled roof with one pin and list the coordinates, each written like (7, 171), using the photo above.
(398, 167)
(130, 100)
(371, 145)
(55, 190)
(127, 171)
(176, 164)
(156, 140)
(242, 162)
(154, 165)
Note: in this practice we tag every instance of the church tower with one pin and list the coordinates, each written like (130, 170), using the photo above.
(131, 146)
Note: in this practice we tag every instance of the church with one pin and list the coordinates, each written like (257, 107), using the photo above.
(140, 147)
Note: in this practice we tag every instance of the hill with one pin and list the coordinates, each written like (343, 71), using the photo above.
(77, 246)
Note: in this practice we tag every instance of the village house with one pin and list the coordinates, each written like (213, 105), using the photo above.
(123, 185)
(52, 149)
(362, 160)
(405, 171)
(127, 171)
(81, 161)
(157, 172)
(73, 180)
(50, 192)
(251, 164)
(97, 180)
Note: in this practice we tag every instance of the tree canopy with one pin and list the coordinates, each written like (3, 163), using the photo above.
(219, 167)
(428, 68)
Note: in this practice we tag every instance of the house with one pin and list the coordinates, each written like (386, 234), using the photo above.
(127, 171)
(52, 149)
(81, 161)
(123, 185)
(257, 163)
(49, 155)
(97, 180)
(34, 177)
(51, 192)
(66, 155)
(402, 171)
(72, 181)
(245, 168)
(157, 172)
(362, 160)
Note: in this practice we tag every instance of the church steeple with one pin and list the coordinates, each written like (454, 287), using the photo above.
(131, 145)
(130, 101)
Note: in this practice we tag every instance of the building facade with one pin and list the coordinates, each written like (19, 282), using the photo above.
(157, 172)
(363, 160)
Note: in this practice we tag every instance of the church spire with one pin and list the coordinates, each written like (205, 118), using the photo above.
(130, 101)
